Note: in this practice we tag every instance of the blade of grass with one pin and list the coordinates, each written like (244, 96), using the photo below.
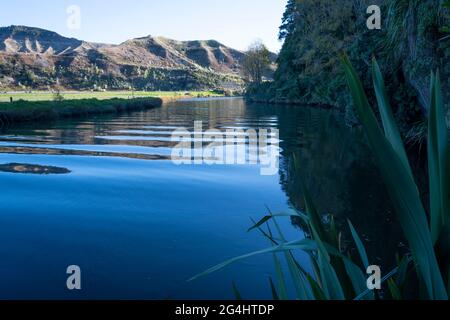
(359, 245)
(274, 290)
(331, 285)
(236, 292)
(315, 287)
(394, 290)
(358, 279)
(267, 218)
(331, 238)
(390, 127)
(304, 244)
(438, 161)
(280, 278)
(330, 281)
(313, 216)
(301, 286)
(278, 271)
(402, 271)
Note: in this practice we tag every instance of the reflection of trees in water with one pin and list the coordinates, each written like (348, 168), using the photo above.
(339, 172)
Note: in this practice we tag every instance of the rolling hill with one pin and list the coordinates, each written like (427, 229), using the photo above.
(41, 59)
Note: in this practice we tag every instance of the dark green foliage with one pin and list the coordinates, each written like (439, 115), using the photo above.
(288, 22)
(337, 276)
(317, 31)
(397, 175)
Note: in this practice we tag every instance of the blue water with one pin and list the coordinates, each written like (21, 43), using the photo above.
(102, 193)
(137, 224)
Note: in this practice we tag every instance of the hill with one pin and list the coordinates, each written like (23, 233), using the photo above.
(41, 59)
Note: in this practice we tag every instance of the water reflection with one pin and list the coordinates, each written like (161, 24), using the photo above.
(131, 217)
(339, 171)
(25, 168)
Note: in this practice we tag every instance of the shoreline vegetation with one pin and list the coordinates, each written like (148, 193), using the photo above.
(43, 106)
(316, 34)
(422, 270)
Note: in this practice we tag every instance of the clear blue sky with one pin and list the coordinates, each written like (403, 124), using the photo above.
(234, 22)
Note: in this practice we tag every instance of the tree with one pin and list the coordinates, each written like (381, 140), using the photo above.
(289, 20)
(256, 62)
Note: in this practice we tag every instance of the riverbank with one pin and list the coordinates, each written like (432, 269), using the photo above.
(102, 95)
(28, 111)
(19, 107)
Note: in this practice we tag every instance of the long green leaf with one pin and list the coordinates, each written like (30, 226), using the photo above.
(402, 190)
(304, 244)
(331, 284)
(236, 292)
(280, 278)
(301, 293)
(438, 161)
(278, 268)
(267, 218)
(359, 245)
(402, 271)
(394, 290)
(358, 279)
(313, 215)
(274, 290)
(315, 287)
(316, 224)
(390, 127)
(302, 288)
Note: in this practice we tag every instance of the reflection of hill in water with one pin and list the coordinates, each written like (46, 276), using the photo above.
(139, 135)
(25, 168)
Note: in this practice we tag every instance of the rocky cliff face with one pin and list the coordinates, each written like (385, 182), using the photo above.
(36, 58)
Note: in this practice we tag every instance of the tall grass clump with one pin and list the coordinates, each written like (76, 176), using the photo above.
(334, 274)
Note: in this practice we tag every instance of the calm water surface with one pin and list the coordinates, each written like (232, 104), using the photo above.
(103, 194)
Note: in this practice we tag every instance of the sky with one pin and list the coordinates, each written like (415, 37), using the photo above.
(235, 23)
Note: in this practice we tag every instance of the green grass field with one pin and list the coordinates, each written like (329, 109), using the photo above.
(48, 96)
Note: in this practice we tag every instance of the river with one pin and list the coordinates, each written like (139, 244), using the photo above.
(103, 194)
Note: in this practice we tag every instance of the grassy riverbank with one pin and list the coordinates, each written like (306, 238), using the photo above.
(77, 95)
(27, 111)
(40, 105)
